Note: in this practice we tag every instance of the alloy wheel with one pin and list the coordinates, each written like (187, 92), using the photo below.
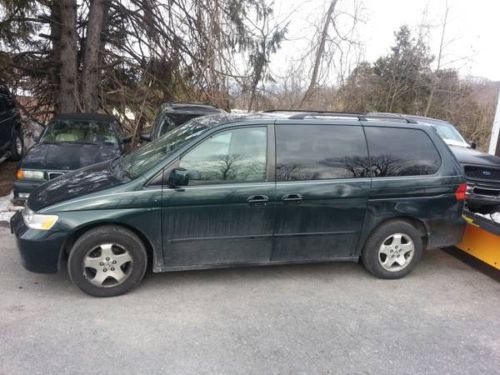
(396, 252)
(107, 265)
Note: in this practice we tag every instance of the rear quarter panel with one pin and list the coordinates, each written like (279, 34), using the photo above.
(428, 200)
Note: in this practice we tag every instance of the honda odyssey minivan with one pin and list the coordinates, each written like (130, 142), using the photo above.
(264, 189)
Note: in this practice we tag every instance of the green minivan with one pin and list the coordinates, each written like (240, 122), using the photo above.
(263, 189)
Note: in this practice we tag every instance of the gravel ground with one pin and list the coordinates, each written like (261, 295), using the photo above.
(310, 319)
(7, 176)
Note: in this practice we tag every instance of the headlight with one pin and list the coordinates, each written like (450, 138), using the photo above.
(38, 221)
(26, 174)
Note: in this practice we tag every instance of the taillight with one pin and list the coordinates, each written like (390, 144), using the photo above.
(461, 192)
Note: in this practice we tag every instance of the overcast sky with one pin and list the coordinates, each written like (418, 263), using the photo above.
(473, 30)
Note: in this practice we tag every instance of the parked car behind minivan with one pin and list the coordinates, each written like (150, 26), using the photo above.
(174, 114)
(482, 171)
(70, 141)
(266, 189)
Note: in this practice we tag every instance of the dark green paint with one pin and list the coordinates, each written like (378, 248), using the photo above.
(190, 227)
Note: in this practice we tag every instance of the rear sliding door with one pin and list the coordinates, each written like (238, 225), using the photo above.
(323, 183)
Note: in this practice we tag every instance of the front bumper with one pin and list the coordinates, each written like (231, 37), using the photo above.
(41, 251)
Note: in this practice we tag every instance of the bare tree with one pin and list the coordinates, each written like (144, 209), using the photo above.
(319, 52)
(435, 82)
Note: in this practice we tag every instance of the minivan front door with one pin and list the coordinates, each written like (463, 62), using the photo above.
(323, 183)
(225, 215)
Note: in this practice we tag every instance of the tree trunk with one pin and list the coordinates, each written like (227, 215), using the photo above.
(93, 44)
(67, 96)
(54, 54)
(435, 80)
(319, 53)
(257, 76)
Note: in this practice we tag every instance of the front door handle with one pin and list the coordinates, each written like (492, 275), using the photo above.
(258, 200)
(292, 198)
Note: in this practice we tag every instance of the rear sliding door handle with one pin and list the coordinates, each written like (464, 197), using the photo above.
(292, 198)
(258, 200)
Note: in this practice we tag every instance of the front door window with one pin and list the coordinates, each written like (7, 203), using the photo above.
(231, 156)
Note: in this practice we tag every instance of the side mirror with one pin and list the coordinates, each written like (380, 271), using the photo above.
(178, 177)
(146, 137)
(473, 145)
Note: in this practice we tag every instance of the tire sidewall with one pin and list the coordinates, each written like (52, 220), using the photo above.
(370, 253)
(96, 237)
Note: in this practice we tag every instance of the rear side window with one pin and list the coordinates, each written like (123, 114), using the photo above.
(317, 152)
(401, 152)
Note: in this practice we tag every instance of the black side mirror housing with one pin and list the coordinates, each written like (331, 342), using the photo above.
(146, 137)
(473, 145)
(178, 177)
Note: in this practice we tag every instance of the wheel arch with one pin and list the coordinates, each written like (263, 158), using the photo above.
(78, 232)
(418, 224)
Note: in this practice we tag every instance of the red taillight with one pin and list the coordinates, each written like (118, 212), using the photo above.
(461, 192)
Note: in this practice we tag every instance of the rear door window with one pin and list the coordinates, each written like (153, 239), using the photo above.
(319, 152)
(401, 152)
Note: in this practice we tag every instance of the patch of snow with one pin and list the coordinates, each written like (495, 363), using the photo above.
(6, 208)
(495, 216)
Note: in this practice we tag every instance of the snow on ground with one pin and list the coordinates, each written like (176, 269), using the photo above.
(6, 208)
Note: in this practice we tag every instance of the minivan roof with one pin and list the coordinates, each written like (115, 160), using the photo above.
(283, 115)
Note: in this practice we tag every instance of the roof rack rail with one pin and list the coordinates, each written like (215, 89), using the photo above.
(312, 111)
(361, 116)
(305, 114)
(392, 116)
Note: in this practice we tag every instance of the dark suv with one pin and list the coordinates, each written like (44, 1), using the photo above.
(174, 114)
(11, 137)
(482, 171)
(225, 191)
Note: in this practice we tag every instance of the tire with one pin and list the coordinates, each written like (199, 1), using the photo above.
(17, 146)
(116, 261)
(389, 258)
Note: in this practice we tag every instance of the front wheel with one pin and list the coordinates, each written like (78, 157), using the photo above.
(107, 261)
(393, 250)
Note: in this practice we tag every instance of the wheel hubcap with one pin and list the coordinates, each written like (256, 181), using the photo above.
(396, 252)
(107, 265)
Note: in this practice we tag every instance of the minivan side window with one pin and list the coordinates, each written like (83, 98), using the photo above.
(317, 152)
(237, 155)
(401, 152)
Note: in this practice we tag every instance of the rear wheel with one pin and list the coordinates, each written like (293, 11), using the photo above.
(17, 147)
(107, 261)
(393, 250)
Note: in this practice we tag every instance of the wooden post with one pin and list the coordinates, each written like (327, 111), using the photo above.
(495, 132)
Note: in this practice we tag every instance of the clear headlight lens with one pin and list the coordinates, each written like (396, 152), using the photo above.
(38, 221)
(26, 174)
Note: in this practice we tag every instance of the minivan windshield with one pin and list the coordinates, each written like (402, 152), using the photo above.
(140, 161)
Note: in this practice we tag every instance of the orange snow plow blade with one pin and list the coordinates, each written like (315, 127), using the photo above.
(481, 240)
